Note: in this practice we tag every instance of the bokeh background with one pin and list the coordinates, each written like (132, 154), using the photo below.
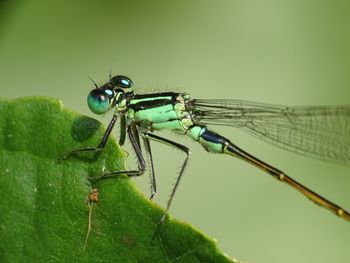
(292, 52)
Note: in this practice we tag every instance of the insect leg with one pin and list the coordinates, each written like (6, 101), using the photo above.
(122, 130)
(152, 174)
(99, 147)
(181, 147)
(140, 159)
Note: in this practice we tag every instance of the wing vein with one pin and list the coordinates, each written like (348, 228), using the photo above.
(321, 132)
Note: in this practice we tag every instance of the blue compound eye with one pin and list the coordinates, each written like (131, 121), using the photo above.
(121, 82)
(98, 101)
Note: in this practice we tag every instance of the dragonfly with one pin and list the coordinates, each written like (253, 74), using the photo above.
(322, 132)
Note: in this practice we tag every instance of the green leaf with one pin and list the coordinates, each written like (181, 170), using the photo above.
(45, 208)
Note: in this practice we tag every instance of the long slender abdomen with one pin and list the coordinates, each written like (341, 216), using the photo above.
(211, 141)
(215, 143)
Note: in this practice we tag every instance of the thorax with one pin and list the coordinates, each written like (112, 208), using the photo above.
(160, 111)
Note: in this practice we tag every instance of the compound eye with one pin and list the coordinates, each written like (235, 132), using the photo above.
(121, 81)
(98, 101)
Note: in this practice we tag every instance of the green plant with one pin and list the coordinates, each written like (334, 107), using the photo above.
(45, 211)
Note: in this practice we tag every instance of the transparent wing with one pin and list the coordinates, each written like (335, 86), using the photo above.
(321, 132)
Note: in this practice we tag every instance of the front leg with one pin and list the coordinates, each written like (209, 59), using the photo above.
(99, 147)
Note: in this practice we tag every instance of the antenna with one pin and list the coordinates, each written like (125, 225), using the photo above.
(93, 82)
(110, 70)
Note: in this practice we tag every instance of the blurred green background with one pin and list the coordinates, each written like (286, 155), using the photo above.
(286, 52)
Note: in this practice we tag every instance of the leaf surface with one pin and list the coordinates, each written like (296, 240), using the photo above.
(44, 208)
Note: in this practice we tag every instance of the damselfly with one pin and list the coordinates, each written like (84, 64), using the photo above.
(322, 132)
